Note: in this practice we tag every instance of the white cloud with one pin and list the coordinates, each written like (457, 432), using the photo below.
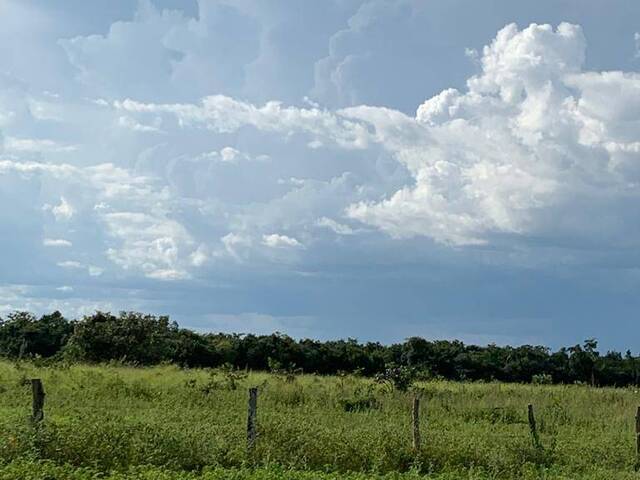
(33, 299)
(157, 246)
(236, 245)
(92, 270)
(536, 156)
(532, 134)
(19, 145)
(534, 147)
(167, 53)
(200, 256)
(71, 264)
(276, 240)
(63, 211)
(167, 274)
(33, 168)
(229, 154)
(130, 124)
(334, 226)
(143, 240)
(223, 114)
(56, 242)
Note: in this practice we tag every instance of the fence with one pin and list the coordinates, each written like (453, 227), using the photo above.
(38, 414)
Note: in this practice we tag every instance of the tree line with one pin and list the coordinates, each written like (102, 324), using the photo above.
(140, 339)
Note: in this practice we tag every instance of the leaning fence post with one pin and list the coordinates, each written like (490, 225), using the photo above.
(37, 391)
(416, 422)
(532, 427)
(251, 418)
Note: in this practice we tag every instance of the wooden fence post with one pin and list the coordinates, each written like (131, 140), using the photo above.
(37, 391)
(416, 422)
(251, 419)
(638, 434)
(532, 427)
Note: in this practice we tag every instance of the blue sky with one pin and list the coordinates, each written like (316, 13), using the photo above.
(347, 168)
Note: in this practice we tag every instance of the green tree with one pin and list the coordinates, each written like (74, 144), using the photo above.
(130, 336)
(24, 335)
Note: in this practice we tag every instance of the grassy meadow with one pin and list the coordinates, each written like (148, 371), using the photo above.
(118, 422)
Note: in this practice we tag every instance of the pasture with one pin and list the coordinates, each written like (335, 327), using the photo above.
(118, 422)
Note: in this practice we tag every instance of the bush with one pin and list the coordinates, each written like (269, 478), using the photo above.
(130, 337)
(542, 379)
(397, 377)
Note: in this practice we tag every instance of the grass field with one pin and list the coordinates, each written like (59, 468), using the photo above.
(165, 423)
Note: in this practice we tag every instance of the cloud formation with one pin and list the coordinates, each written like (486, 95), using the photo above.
(276, 240)
(532, 141)
(163, 153)
(533, 134)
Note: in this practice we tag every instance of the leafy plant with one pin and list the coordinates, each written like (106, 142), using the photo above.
(115, 422)
(398, 377)
(362, 400)
(288, 374)
(225, 378)
(542, 379)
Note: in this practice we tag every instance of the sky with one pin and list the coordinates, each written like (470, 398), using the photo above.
(374, 169)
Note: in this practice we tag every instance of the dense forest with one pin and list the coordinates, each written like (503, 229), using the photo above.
(139, 339)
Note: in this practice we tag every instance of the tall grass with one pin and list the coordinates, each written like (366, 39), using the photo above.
(192, 423)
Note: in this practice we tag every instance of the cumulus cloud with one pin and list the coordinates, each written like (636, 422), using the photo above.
(154, 245)
(131, 213)
(532, 137)
(362, 62)
(200, 256)
(155, 148)
(276, 240)
(229, 154)
(63, 211)
(532, 133)
(179, 55)
(510, 155)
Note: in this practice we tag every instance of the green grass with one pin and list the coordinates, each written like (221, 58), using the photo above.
(166, 423)
(49, 471)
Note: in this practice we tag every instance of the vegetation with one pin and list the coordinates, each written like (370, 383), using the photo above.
(133, 396)
(164, 422)
(139, 339)
(49, 471)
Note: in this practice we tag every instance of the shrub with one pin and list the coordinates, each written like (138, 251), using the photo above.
(398, 377)
(131, 337)
(542, 379)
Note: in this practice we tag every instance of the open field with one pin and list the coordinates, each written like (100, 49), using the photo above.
(162, 422)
